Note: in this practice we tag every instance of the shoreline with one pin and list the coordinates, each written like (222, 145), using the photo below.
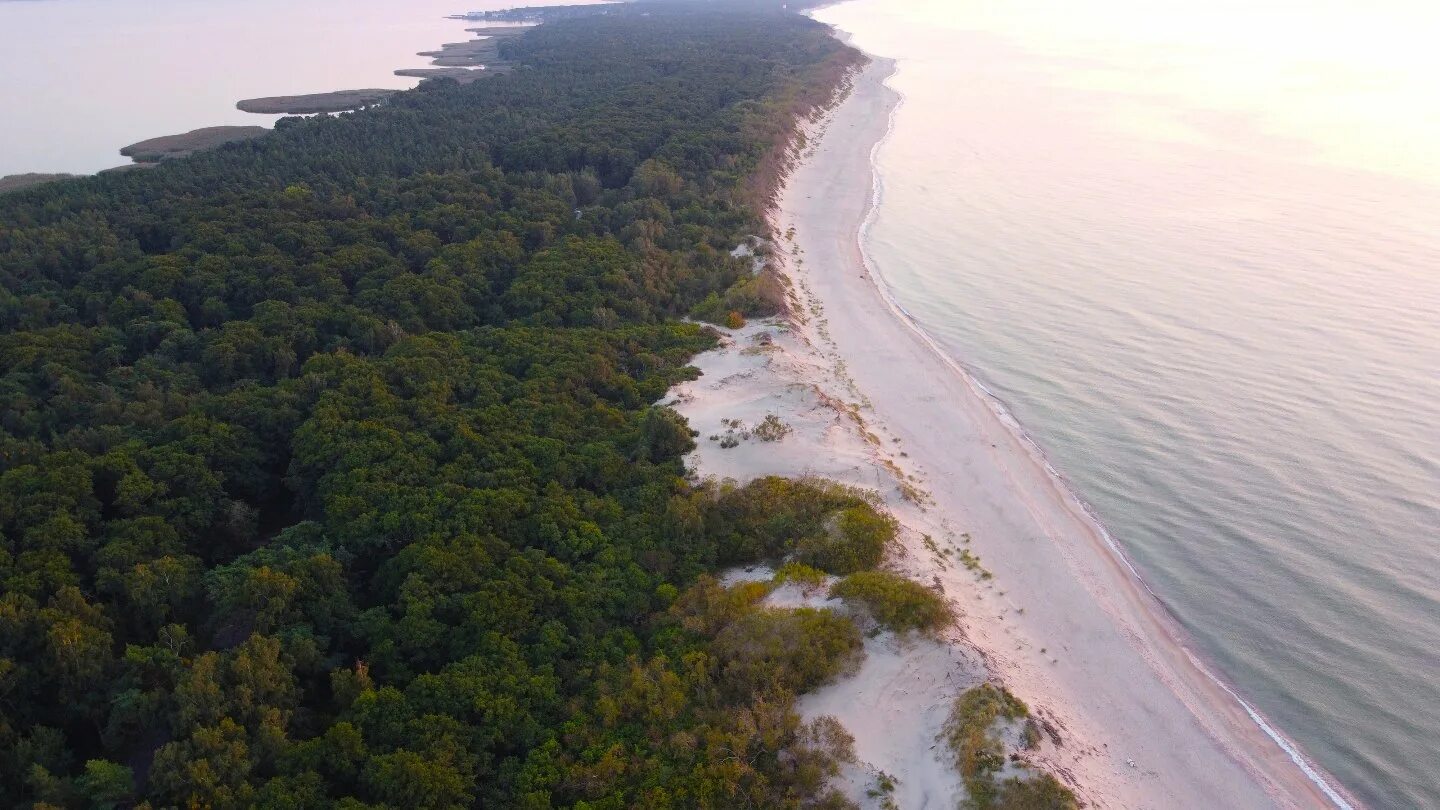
(976, 470)
(1223, 696)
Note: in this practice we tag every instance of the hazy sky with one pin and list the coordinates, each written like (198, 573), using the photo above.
(1348, 82)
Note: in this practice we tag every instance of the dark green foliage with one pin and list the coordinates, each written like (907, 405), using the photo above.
(895, 601)
(706, 720)
(761, 294)
(979, 753)
(825, 525)
(105, 785)
(329, 471)
(664, 434)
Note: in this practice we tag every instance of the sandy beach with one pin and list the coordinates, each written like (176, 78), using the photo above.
(1047, 604)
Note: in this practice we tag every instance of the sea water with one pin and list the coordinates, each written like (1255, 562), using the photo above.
(1195, 248)
(79, 79)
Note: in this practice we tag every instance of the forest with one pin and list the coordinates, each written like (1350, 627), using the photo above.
(330, 470)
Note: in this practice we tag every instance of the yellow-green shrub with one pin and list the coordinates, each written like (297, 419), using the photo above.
(980, 754)
(896, 602)
(826, 525)
(854, 541)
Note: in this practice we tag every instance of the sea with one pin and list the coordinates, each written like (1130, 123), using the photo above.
(1194, 248)
(79, 79)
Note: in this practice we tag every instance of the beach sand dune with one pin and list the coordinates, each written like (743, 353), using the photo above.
(1047, 606)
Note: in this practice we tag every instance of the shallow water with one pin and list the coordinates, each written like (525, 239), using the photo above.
(1200, 261)
(81, 78)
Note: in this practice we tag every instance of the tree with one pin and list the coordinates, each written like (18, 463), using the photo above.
(106, 785)
(210, 768)
(330, 471)
(409, 780)
(664, 435)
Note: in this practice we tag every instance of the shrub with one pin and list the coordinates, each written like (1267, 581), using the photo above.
(757, 295)
(853, 541)
(766, 650)
(828, 734)
(980, 754)
(825, 525)
(800, 574)
(707, 607)
(734, 320)
(709, 310)
(764, 519)
(772, 429)
(664, 435)
(1041, 792)
(1030, 735)
(896, 602)
(815, 758)
(791, 650)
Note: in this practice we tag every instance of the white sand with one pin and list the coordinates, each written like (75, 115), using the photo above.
(1063, 623)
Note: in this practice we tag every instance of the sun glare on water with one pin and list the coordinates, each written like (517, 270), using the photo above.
(1344, 83)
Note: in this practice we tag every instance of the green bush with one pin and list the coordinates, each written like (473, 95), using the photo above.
(707, 607)
(770, 518)
(791, 650)
(854, 540)
(754, 295)
(980, 754)
(664, 434)
(896, 602)
(800, 574)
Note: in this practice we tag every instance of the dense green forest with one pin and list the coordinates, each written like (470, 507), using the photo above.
(329, 470)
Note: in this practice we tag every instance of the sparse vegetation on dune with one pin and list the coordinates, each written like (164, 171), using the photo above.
(772, 429)
(973, 734)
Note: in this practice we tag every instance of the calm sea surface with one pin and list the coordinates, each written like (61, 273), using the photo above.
(81, 78)
(1196, 248)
